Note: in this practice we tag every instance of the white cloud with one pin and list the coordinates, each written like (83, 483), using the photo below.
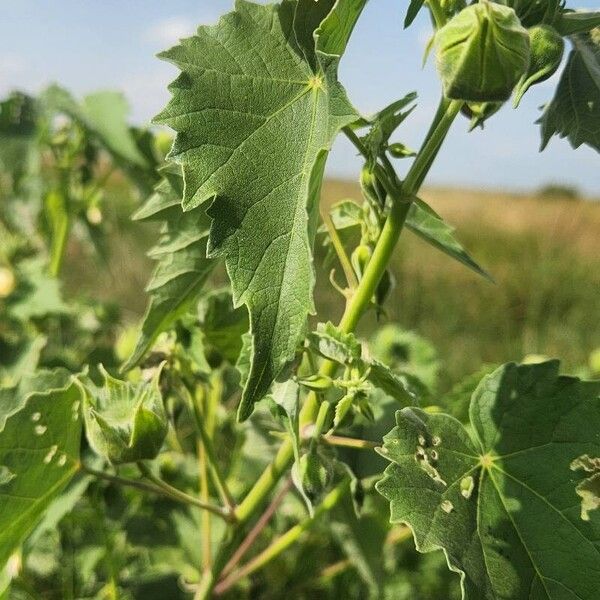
(169, 31)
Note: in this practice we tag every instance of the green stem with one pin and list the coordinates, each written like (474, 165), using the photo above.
(158, 486)
(437, 12)
(346, 442)
(321, 419)
(207, 444)
(341, 252)
(284, 541)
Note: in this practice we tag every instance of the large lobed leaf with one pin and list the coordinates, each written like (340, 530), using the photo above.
(39, 452)
(256, 108)
(574, 112)
(512, 505)
(183, 266)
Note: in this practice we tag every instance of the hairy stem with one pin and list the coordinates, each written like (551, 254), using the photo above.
(206, 533)
(346, 442)
(284, 541)
(257, 529)
(437, 12)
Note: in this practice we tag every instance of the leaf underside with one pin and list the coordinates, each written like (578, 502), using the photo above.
(255, 112)
(506, 504)
(574, 112)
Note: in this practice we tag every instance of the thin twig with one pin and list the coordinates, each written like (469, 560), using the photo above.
(257, 529)
(283, 542)
(346, 442)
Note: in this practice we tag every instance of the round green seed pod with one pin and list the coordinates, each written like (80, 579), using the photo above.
(481, 53)
(547, 48)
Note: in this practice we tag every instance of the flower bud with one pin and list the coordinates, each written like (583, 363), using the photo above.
(547, 47)
(398, 150)
(360, 259)
(312, 477)
(480, 112)
(481, 53)
(124, 422)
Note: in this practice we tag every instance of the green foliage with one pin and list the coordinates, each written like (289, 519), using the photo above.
(183, 266)
(269, 153)
(502, 502)
(574, 112)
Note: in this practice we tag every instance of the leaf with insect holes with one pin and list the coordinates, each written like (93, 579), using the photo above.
(124, 422)
(255, 112)
(574, 112)
(39, 454)
(505, 502)
(183, 266)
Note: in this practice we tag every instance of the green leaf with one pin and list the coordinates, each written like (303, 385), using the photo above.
(413, 10)
(20, 360)
(222, 325)
(401, 386)
(385, 123)
(14, 398)
(124, 422)
(362, 539)
(183, 266)
(406, 352)
(39, 454)
(103, 115)
(574, 112)
(428, 225)
(504, 503)
(286, 399)
(254, 122)
(334, 32)
(332, 344)
(38, 294)
(570, 23)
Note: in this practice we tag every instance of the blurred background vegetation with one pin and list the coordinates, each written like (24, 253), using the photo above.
(542, 249)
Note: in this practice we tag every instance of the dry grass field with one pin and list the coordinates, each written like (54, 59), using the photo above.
(544, 254)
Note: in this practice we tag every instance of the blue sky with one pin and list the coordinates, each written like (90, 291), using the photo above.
(87, 45)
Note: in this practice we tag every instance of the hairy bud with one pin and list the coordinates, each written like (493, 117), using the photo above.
(480, 112)
(547, 47)
(482, 53)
